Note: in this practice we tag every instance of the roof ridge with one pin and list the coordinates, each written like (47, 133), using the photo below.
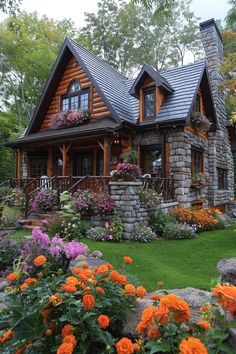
(201, 61)
(99, 59)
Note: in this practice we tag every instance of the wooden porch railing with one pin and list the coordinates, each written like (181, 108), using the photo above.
(163, 186)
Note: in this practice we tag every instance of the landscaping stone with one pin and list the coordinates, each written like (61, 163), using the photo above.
(195, 297)
(227, 270)
(3, 284)
(91, 261)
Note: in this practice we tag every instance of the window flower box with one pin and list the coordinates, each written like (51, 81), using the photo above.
(200, 121)
(200, 180)
(69, 119)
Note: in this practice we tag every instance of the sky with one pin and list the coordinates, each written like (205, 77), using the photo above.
(74, 9)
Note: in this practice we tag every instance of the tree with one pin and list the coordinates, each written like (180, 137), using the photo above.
(162, 8)
(10, 6)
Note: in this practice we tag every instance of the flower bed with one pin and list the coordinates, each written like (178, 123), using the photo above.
(69, 119)
(88, 202)
(44, 201)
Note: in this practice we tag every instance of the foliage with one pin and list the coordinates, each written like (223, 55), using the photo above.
(69, 119)
(113, 231)
(149, 197)
(177, 231)
(159, 220)
(9, 250)
(142, 234)
(87, 202)
(162, 7)
(10, 6)
(13, 197)
(98, 234)
(197, 218)
(116, 228)
(130, 157)
(10, 216)
(81, 310)
(126, 172)
(200, 180)
(44, 200)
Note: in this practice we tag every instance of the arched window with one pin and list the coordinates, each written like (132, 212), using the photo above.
(75, 98)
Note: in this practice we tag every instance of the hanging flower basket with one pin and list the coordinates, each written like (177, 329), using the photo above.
(200, 121)
(69, 119)
(200, 180)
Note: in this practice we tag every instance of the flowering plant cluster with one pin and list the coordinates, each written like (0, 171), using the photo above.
(44, 201)
(87, 201)
(113, 231)
(142, 234)
(197, 218)
(126, 172)
(68, 119)
(12, 197)
(200, 180)
(149, 197)
(200, 121)
(179, 231)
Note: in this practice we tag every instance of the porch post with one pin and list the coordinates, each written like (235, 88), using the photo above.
(64, 150)
(18, 156)
(105, 157)
(49, 163)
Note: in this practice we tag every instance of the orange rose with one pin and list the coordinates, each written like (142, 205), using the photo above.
(100, 290)
(141, 291)
(6, 336)
(127, 260)
(72, 280)
(155, 297)
(147, 319)
(103, 321)
(192, 345)
(68, 288)
(12, 277)
(67, 330)
(30, 281)
(130, 290)
(175, 304)
(70, 338)
(204, 325)
(65, 348)
(39, 261)
(122, 280)
(153, 333)
(124, 346)
(88, 301)
(102, 269)
(226, 295)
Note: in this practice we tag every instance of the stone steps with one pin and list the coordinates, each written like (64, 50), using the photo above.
(36, 221)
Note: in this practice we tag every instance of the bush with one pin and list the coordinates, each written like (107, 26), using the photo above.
(98, 234)
(88, 202)
(44, 201)
(10, 216)
(116, 228)
(197, 218)
(149, 198)
(159, 220)
(142, 234)
(176, 231)
(9, 250)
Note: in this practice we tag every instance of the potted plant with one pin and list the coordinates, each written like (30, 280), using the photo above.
(200, 121)
(126, 172)
(200, 180)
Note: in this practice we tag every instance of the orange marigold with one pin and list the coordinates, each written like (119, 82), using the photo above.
(68, 288)
(147, 319)
(205, 308)
(70, 338)
(100, 290)
(122, 280)
(178, 306)
(103, 321)
(88, 301)
(204, 325)
(127, 260)
(130, 290)
(125, 346)
(72, 280)
(155, 297)
(39, 261)
(153, 333)
(141, 291)
(226, 295)
(6, 336)
(30, 281)
(102, 269)
(65, 348)
(192, 345)
(114, 275)
(12, 276)
(67, 330)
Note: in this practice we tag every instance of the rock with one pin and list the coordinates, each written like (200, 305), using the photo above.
(91, 261)
(96, 254)
(227, 270)
(3, 284)
(195, 297)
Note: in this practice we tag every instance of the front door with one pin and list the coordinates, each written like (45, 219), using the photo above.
(83, 164)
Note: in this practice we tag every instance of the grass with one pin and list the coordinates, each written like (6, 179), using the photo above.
(178, 264)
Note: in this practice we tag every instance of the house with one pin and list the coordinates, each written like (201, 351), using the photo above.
(153, 114)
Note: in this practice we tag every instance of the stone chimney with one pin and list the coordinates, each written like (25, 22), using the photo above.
(213, 46)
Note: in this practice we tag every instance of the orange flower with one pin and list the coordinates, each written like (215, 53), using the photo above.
(114, 275)
(102, 269)
(122, 280)
(12, 277)
(110, 267)
(204, 325)
(155, 297)
(130, 290)
(141, 291)
(192, 345)
(100, 290)
(153, 333)
(23, 347)
(46, 313)
(30, 281)
(6, 336)
(103, 321)
(88, 301)
(175, 304)
(67, 330)
(39, 261)
(125, 346)
(65, 348)
(68, 288)
(147, 319)
(72, 280)
(23, 286)
(226, 297)
(70, 338)
(205, 308)
(161, 315)
(85, 265)
(127, 260)
(54, 299)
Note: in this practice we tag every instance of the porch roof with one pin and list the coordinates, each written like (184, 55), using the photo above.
(96, 128)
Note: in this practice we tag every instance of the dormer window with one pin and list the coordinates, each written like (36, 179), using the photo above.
(197, 104)
(75, 98)
(149, 103)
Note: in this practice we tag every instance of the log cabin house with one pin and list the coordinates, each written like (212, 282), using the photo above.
(152, 113)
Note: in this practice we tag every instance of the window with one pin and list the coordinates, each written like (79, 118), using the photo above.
(152, 161)
(38, 167)
(149, 108)
(222, 178)
(75, 98)
(197, 104)
(197, 162)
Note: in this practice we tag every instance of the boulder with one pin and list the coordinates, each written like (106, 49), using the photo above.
(227, 270)
(91, 261)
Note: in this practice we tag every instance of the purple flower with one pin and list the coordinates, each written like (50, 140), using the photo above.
(73, 249)
(55, 251)
(40, 237)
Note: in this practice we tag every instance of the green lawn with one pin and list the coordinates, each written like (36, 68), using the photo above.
(176, 263)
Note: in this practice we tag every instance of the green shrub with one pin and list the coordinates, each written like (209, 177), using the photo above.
(142, 234)
(98, 234)
(149, 197)
(176, 231)
(159, 220)
(10, 216)
(116, 228)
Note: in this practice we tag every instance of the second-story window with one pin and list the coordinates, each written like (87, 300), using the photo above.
(75, 98)
(197, 104)
(149, 105)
